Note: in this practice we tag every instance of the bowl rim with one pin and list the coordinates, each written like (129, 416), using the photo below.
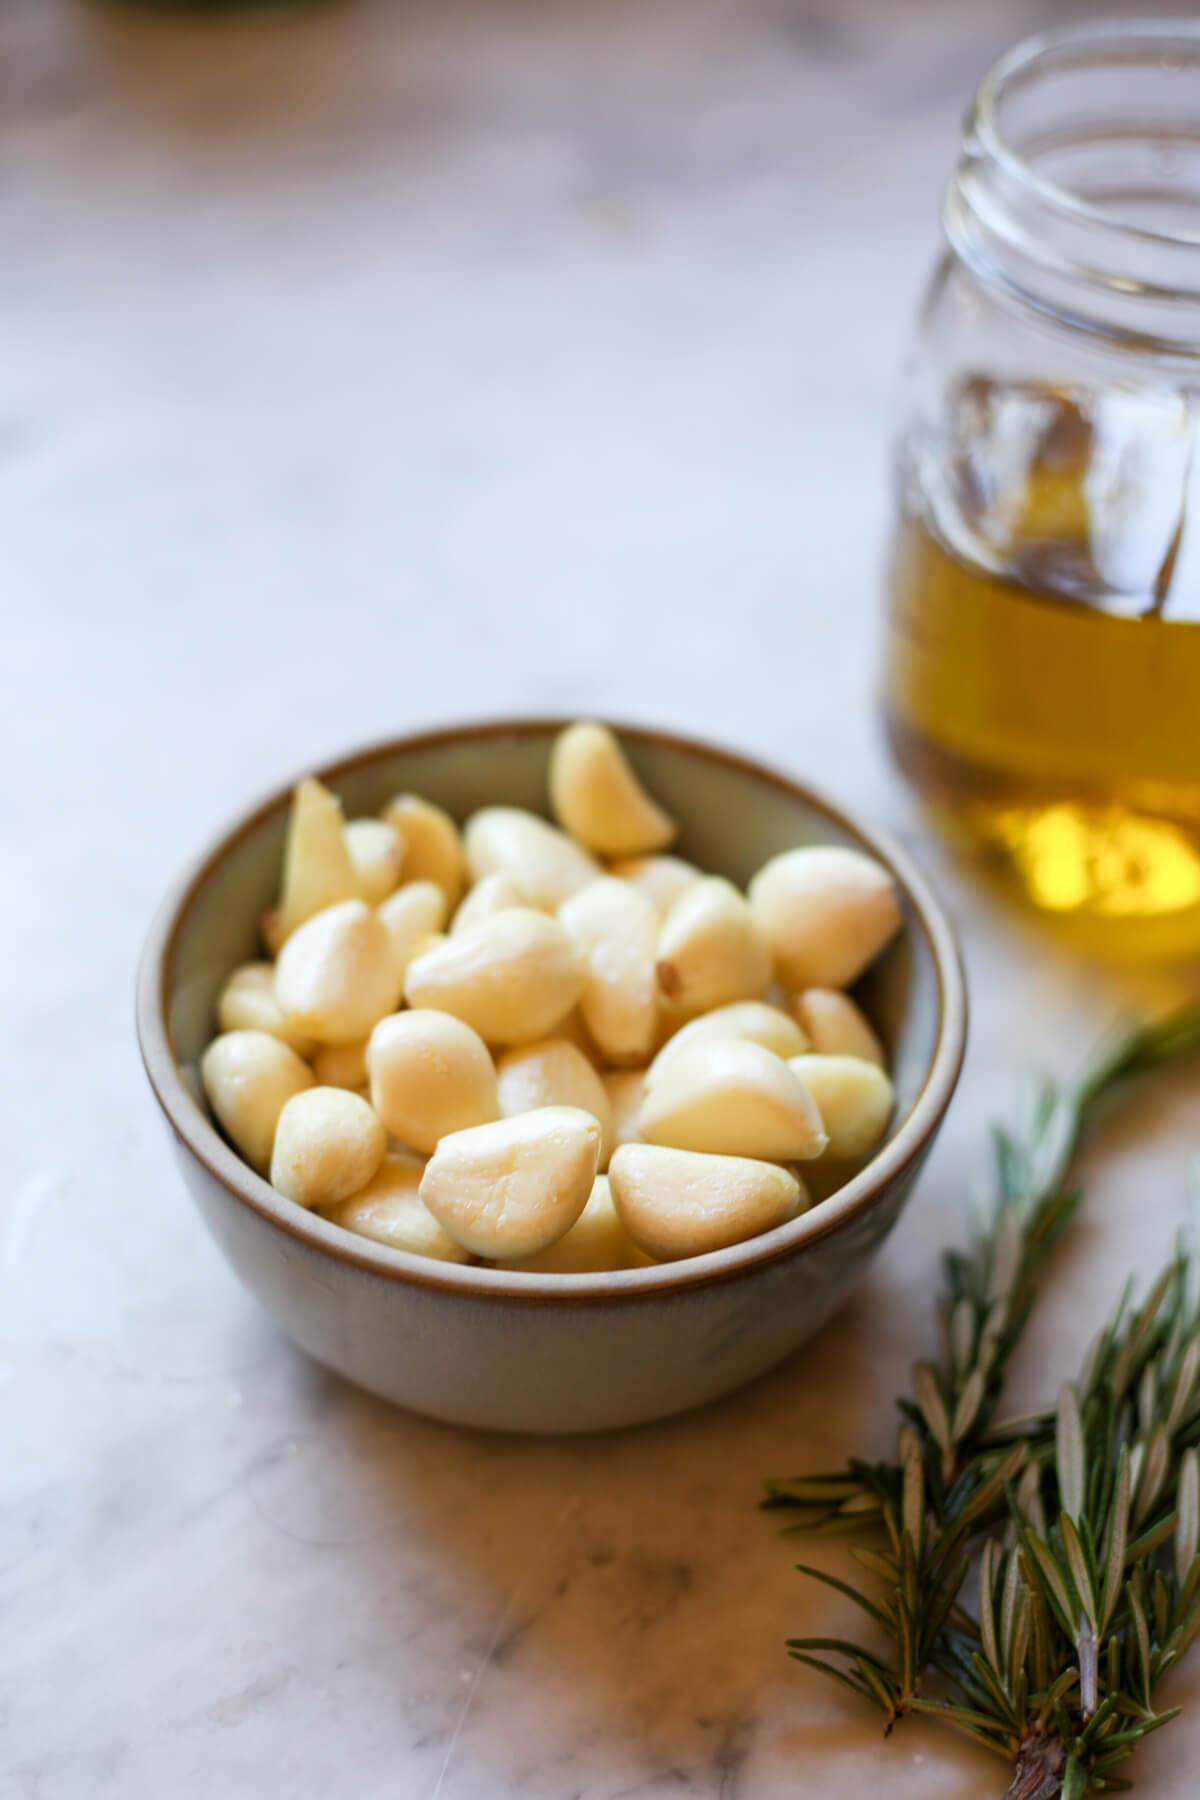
(197, 1134)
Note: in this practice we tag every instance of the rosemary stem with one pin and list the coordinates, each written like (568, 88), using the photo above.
(1041, 1765)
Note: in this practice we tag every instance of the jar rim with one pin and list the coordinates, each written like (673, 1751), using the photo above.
(1125, 35)
(1080, 152)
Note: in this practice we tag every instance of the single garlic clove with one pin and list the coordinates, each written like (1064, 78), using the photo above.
(328, 1144)
(751, 1021)
(412, 915)
(317, 869)
(248, 1078)
(615, 929)
(826, 912)
(836, 1026)
(512, 1189)
(429, 1075)
(661, 878)
(597, 797)
(596, 1242)
(336, 975)
(495, 893)
(247, 1003)
(735, 1099)
(377, 852)
(710, 950)
(854, 1098)
(341, 1066)
(553, 1073)
(513, 977)
(676, 1203)
(626, 1090)
(433, 849)
(544, 861)
(389, 1210)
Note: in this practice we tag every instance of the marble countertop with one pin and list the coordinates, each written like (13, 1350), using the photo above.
(371, 366)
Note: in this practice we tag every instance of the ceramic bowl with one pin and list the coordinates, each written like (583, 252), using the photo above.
(548, 1353)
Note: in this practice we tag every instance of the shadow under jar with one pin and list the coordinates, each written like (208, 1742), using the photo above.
(1043, 651)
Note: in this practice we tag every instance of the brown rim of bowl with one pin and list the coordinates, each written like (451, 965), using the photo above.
(199, 1136)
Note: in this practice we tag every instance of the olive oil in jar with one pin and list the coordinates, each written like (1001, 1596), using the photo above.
(1043, 655)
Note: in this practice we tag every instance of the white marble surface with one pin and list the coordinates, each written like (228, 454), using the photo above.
(376, 366)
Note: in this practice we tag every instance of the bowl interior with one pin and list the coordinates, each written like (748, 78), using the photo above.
(733, 816)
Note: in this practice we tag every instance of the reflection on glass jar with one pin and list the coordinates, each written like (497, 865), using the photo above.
(1043, 667)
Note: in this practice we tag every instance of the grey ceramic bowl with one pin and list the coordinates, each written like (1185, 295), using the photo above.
(547, 1352)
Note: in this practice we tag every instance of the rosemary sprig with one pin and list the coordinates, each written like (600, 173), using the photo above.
(954, 1474)
(1092, 1592)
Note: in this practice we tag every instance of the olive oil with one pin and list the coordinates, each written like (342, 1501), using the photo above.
(1043, 662)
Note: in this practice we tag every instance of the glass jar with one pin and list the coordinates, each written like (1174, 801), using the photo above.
(1043, 647)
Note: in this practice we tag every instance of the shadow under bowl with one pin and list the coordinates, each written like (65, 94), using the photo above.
(547, 1353)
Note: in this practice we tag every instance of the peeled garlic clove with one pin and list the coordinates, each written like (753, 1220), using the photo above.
(616, 931)
(317, 870)
(249, 1077)
(710, 950)
(336, 975)
(661, 878)
(553, 1073)
(597, 1241)
(597, 797)
(836, 1026)
(247, 1003)
(341, 1066)
(495, 893)
(514, 1188)
(507, 840)
(626, 1090)
(429, 1075)
(676, 1203)
(826, 912)
(854, 1099)
(432, 847)
(734, 1099)
(389, 1210)
(377, 852)
(752, 1021)
(414, 913)
(328, 1144)
(512, 978)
